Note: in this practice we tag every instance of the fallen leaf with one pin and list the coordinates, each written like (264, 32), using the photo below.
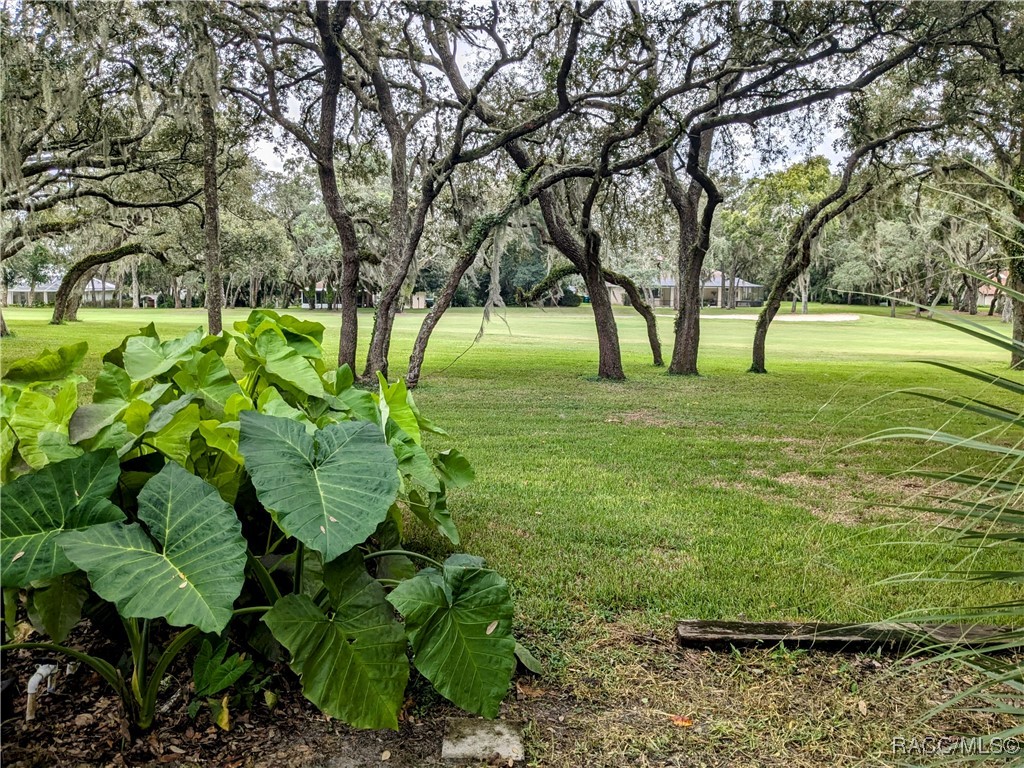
(681, 722)
(385, 755)
(862, 707)
(528, 691)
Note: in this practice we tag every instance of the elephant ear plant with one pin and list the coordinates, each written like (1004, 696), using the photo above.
(193, 501)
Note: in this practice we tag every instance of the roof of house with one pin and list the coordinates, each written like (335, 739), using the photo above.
(987, 289)
(51, 286)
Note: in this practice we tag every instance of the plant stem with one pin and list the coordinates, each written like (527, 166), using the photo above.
(135, 643)
(300, 556)
(270, 590)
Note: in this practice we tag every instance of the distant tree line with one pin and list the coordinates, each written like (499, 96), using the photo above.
(484, 154)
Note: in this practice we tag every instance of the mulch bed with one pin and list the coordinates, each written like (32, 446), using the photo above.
(81, 724)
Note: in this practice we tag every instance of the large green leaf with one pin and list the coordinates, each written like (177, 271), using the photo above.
(7, 442)
(41, 421)
(345, 396)
(395, 403)
(116, 355)
(329, 490)
(304, 336)
(287, 367)
(413, 461)
(146, 356)
(459, 622)
(352, 663)
(56, 605)
(207, 376)
(110, 399)
(455, 468)
(39, 507)
(188, 569)
(48, 365)
(174, 437)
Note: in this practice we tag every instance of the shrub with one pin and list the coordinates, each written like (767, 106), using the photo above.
(186, 497)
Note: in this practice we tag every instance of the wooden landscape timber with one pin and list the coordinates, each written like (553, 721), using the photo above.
(890, 637)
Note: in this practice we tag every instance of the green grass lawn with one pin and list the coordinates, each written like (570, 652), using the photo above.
(616, 508)
(665, 497)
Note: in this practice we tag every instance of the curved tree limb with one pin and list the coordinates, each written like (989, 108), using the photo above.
(62, 301)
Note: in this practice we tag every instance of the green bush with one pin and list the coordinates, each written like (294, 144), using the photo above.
(186, 497)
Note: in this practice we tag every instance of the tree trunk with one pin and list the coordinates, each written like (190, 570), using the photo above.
(348, 291)
(643, 309)
(63, 298)
(77, 294)
(441, 305)
(764, 320)
(104, 273)
(401, 249)
(3, 325)
(3, 287)
(136, 290)
(797, 259)
(971, 295)
(176, 289)
(1015, 282)
(211, 217)
(687, 336)
(609, 355)
(475, 240)
(31, 293)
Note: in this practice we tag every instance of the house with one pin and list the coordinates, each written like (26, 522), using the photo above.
(96, 292)
(666, 294)
(987, 293)
(716, 289)
(714, 292)
(327, 297)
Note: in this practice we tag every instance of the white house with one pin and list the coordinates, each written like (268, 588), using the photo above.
(96, 292)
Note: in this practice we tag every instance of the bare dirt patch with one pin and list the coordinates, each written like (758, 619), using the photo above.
(631, 697)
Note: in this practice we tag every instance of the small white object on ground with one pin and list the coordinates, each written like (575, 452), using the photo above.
(472, 739)
(44, 673)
